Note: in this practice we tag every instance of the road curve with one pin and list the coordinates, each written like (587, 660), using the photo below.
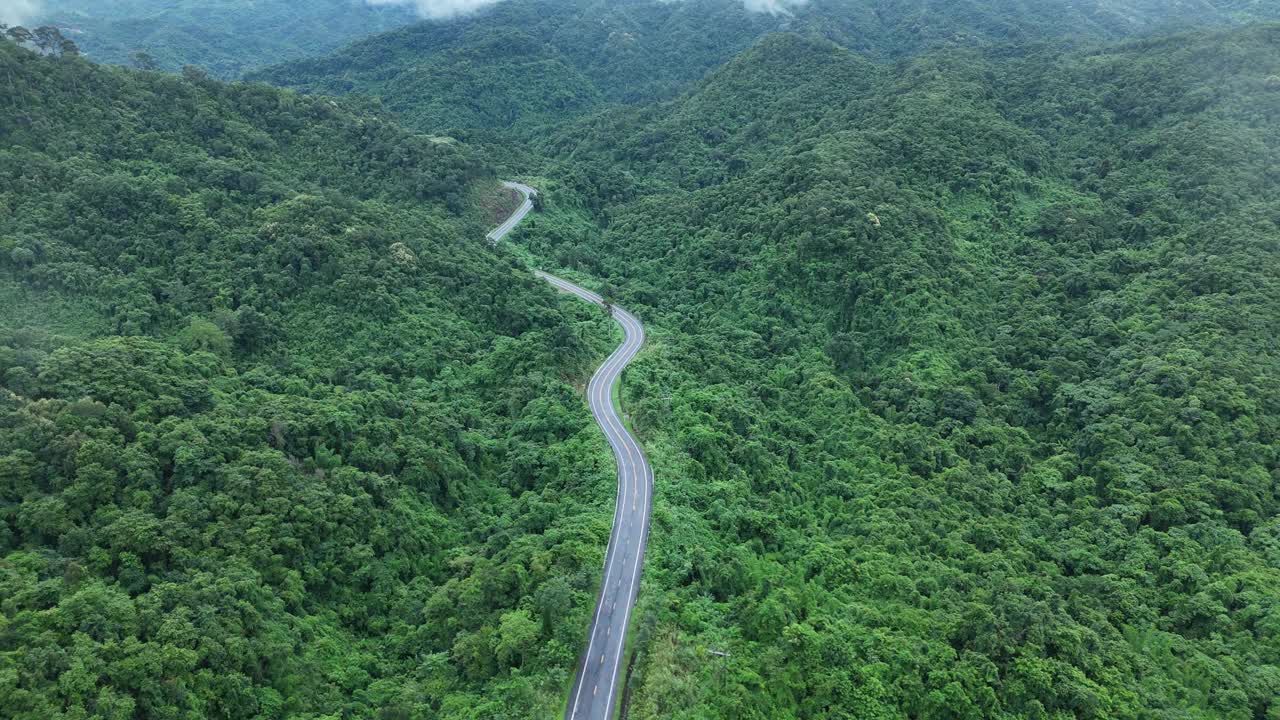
(528, 194)
(596, 685)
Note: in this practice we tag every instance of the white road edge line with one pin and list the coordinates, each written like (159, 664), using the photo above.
(600, 401)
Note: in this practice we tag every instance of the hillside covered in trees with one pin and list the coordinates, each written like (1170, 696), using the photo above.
(224, 37)
(528, 63)
(963, 391)
(962, 386)
(280, 436)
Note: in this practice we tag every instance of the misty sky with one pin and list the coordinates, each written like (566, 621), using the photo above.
(17, 12)
(452, 8)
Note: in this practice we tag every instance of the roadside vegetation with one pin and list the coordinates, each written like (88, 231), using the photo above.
(962, 395)
(962, 387)
(282, 436)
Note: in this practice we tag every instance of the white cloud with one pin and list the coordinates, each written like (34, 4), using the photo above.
(433, 9)
(18, 12)
(441, 9)
(773, 7)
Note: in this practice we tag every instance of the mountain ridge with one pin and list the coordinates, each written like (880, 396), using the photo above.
(934, 359)
(635, 53)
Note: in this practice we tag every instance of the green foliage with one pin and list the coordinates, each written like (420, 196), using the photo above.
(962, 390)
(527, 62)
(225, 37)
(895, 28)
(524, 64)
(282, 435)
(204, 335)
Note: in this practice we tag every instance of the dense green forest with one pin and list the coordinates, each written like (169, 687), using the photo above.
(531, 61)
(964, 386)
(527, 63)
(280, 436)
(225, 37)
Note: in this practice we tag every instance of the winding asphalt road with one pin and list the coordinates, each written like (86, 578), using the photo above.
(528, 193)
(595, 688)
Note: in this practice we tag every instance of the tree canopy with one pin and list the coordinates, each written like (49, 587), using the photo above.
(282, 435)
(522, 65)
(962, 386)
(962, 393)
(225, 37)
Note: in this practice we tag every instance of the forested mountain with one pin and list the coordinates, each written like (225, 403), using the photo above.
(280, 436)
(963, 390)
(962, 381)
(896, 28)
(225, 37)
(531, 62)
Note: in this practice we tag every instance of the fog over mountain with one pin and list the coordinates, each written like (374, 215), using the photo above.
(773, 7)
(223, 37)
(440, 9)
(18, 12)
